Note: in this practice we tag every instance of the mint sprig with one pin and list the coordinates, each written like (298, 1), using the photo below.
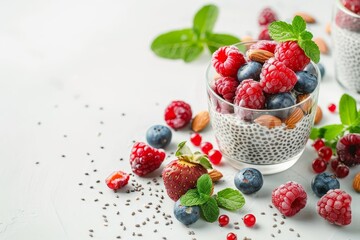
(350, 123)
(188, 43)
(228, 198)
(296, 31)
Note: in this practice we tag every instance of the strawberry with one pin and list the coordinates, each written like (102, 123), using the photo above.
(181, 174)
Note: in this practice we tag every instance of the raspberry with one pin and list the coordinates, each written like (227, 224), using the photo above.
(267, 16)
(227, 60)
(348, 149)
(334, 207)
(264, 34)
(226, 87)
(264, 45)
(145, 159)
(178, 114)
(289, 198)
(250, 95)
(117, 180)
(352, 5)
(276, 77)
(291, 55)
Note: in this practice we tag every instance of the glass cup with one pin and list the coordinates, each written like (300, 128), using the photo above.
(269, 140)
(345, 33)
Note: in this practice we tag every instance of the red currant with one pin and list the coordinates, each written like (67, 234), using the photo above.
(332, 107)
(319, 165)
(195, 139)
(325, 153)
(117, 180)
(206, 147)
(334, 163)
(223, 220)
(342, 171)
(231, 236)
(318, 143)
(215, 156)
(249, 220)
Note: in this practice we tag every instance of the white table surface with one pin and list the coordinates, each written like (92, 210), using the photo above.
(78, 82)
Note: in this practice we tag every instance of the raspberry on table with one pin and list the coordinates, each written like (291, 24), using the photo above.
(264, 45)
(289, 198)
(276, 77)
(227, 60)
(335, 207)
(291, 55)
(264, 34)
(226, 87)
(145, 159)
(117, 180)
(267, 16)
(249, 94)
(178, 114)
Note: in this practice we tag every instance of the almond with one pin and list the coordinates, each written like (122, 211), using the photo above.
(328, 28)
(306, 105)
(268, 121)
(259, 55)
(323, 47)
(318, 115)
(356, 182)
(307, 17)
(200, 121)
(294, 118)
(215, 175)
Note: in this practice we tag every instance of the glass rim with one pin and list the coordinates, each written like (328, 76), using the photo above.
(345, 10)
(208, 86)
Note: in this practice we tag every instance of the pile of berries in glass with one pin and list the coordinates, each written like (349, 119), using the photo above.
(262, 101)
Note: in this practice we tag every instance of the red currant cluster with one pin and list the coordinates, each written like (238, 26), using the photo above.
(249, 221)
(214, 155)
(325, 156)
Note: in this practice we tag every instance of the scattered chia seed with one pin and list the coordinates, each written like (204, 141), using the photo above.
(91, 187)
(90, 230)
(143, 223)
(80, 184)
(291, 229)
(275, 225)
(156, 222)
(98, 181)
(298, 235)
(101, 192)
(282, 222)
(275, 214)
(236, 223)
(237, 227)
(139, 235)
(37, 163)
(273, 235)
(86, 174)
(137, 225)
(63, 156)
(155, 230)
(127, 204)
(279, 231)
(274, 219)
(262, 213)
(96, 200)
(83, 199)
(133, 213)
(270, 206)
(118, 237)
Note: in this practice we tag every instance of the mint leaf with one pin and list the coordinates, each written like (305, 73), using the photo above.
(230, 199)
(348, 111)
(175, 44)
(217, 40)
(354, 129)
(306, 35)
(204, 184)
(282, 31)
(298, 24)
(193, 52)
(333, 131)
(205, 20)
(317, 133)
(204, 161)
(210, 210)
(183, 151)
(311, 49)
(192, 198)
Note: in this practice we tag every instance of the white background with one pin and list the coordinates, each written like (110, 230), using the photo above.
(76, 76)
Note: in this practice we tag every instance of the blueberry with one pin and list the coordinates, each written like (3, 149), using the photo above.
(306, 82)
(280, 100)
(186, 215)
(158, 136)
(248, 180)
(250, 70)
(323, 182)
(310, 68)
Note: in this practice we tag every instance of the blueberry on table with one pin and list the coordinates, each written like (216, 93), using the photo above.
(248, 180)
(158, 136)
(186, 215)
(250, 70)
(323, 182)
(280, 100)
(306, 82)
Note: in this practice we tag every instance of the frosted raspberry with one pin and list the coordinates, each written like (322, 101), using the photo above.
(348, 149)
(276, 77)
(291, 55)
(145, 159)
(267, 16)
(289, 198)
(250, 95)
(226, 87)
(264, 45)
(227, 61)
(335, 207)
(178, 114)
